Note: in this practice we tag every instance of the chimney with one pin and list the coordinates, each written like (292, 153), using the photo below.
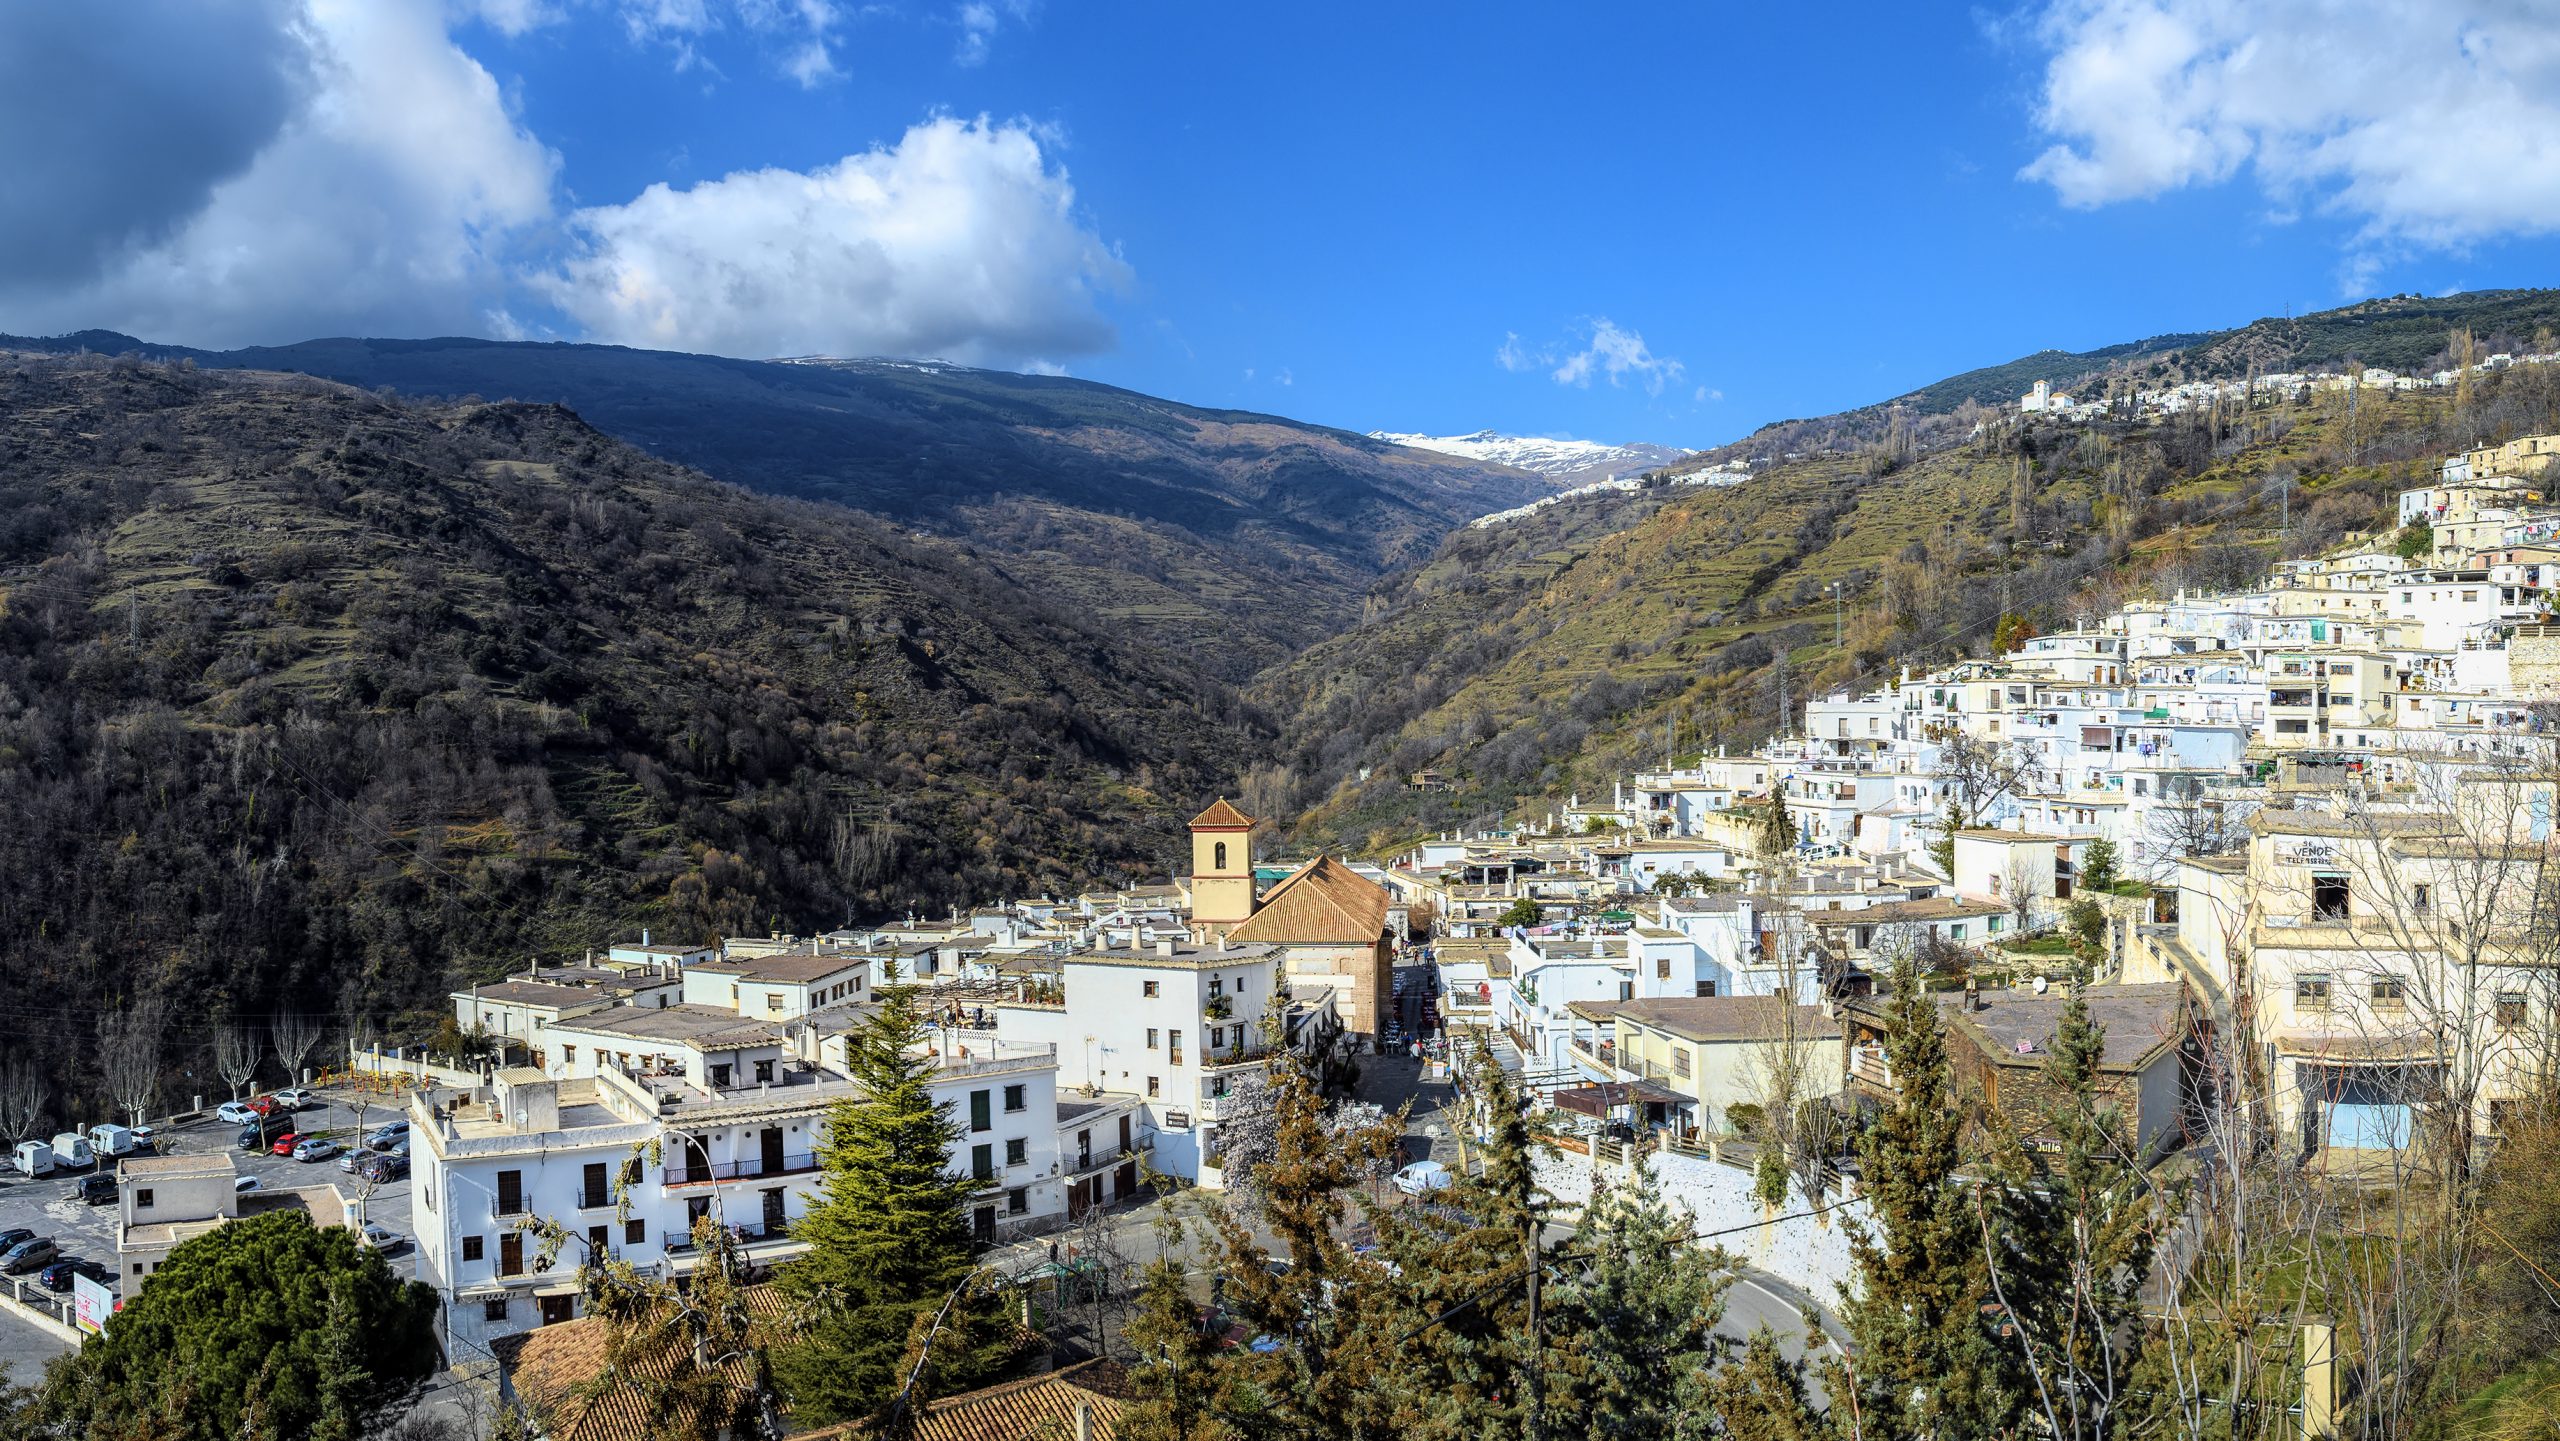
(1165, 949)
(1084, 1421)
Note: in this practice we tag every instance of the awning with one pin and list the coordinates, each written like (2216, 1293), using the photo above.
(1599, 1101)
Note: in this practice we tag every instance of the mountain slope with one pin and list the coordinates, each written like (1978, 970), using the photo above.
(1544, 656)
(314, 700)
(1232, 537)
(1568, 462)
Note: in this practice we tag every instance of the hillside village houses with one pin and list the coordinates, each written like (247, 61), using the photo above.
(2329, 801)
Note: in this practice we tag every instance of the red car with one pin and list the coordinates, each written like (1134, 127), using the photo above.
(284, 1144)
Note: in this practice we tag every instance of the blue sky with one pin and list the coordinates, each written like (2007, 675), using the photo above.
(1665, 223)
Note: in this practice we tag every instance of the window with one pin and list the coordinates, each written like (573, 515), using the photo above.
(2328, 898)
(982, 1162)
(1662, 968)
(982, 1111)
(773, 1003)
(2421, 896)
(494, 1309)
(2510, 1010)
(1992, 926)
(1626, 990)
(1151, 1038)
(1152, 988)
(1706, 988)
(599, 1242)
(142, 1199)
(2389, 994)
(720, 1078)
(1013, 1098)
(1680, 1062)
(592, 1190)
(1218, 856)
(2311, 992)
(634, 1232)
(1173, 1046)
(511, 1193)
(1017, 1202)
(1017, 1152)
(471, 1248)
(1152, 1088)
(764, 1071)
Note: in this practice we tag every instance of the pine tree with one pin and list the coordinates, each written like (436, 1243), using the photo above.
(1178, 1381)
(1636, 1327)
(1324, 1378)
(1757, 1396)
(2076, 1244)
(2100, 870)
(888, 1236)
(344, 1379)
(1921, 1350)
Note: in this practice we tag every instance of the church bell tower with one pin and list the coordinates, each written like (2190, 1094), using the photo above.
(1221, 869)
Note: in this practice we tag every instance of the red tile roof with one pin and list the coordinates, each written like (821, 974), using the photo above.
(1221, 817)
(1325, 903)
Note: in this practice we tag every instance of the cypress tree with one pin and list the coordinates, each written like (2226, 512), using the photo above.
(1637, 1323)
(1921, 1347)
(888, 1236)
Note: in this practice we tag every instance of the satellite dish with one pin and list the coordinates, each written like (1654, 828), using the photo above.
(2039, 985)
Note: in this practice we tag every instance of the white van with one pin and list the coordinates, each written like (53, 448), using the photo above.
(109, 1139)
(71, 1149)
(34, 1158)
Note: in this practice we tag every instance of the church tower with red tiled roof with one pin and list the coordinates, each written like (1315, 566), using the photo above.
(1221, 868)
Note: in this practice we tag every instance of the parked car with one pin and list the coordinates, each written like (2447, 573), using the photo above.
(285, 1142)
(382, 1238)
(379, 1169)
(387, 1135)
(296, 1098)
(33, 1158)
(97, 1190)
(262, 1133)
(146, 1141)
(314, 1148)
(242, 1185)
(1423, 1177)
(237, 1113)
(13, 1236)
(28, 1255)
(57, 1277)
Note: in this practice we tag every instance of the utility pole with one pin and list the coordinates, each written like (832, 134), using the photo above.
(1835, 616)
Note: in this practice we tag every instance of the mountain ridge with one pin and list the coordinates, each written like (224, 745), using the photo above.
(1568, 462)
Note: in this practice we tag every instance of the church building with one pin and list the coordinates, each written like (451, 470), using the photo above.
(1328, 922)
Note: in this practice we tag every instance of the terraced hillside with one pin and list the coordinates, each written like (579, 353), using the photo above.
(314, 699)
(1530, 660)
(1227, 537)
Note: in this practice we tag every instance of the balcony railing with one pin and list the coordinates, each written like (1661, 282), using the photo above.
(751, 1168)
(508, 1206)
(680, 1243)
(1872, 1070)
(595, 1198)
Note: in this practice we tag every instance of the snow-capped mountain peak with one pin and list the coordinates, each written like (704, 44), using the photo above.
(1566, 461)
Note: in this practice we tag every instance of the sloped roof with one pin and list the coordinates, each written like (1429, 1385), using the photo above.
(1221, 817)
(1035, 1408)
(550, 1368)
(1325, 903)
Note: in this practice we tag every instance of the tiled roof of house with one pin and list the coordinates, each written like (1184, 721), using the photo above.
(1726, 1018)
(1035, 1408)
(551, 1369)
(1221, 816)
(1325, 903)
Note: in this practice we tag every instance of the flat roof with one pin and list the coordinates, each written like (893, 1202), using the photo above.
(680, 1025)
(787, 968)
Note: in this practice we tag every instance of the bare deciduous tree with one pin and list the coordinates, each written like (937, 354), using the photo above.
(294, 1035)
(235, 1055)
(129, 1055)
(22, 1097)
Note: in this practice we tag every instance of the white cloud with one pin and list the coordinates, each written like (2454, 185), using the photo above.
(961, 241)
(979, 20)
(1615, 354)
(798, 35)
(381, 202)
(2432, 124)
(1510, 356)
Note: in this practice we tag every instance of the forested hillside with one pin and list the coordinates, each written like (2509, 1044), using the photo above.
(1228, 537)
(1546, 655)
(313, 700)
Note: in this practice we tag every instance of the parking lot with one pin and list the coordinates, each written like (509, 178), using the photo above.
(51, 1206)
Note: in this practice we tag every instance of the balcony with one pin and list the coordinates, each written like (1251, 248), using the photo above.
(595, 1199)
(753, 1168)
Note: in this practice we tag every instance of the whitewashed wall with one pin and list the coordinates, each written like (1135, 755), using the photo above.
(1809, 1252)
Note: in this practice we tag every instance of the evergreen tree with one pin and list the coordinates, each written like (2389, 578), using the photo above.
(1324, 1380)
(888, 1236)
(2099, 872)
(265, 1327)
(1758, 1396)
(1777, 831)
(2077, 1244)
(1177, 1382)
(1474, 1363)
(1921, 1347)
(1636, 1326)
(1942, 851)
